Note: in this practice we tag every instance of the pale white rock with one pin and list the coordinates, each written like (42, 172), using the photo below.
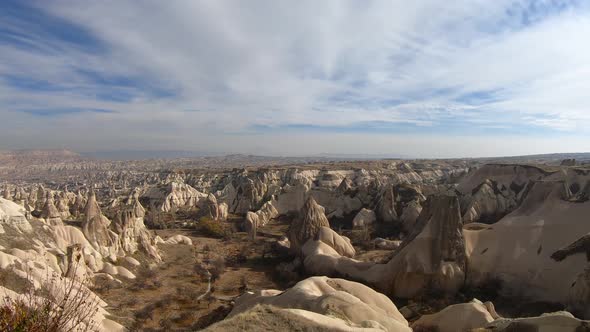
(63, 205)
(213, 207)
(96, 229)
(458, 317)
(223, 211)
(355, 304)
(179, 239)
(486, 203)
(561, 321)
(50, 212)
(251, 222)
(133, 235)
(364, 218)
(174, 195)
(341, 244)
(385, 244)
(261, 217)
(132, 261)
(13, 215)
(115, 270)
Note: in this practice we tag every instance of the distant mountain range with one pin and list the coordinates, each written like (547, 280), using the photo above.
(56, 155)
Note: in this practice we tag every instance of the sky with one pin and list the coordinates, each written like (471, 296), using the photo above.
(422, 78)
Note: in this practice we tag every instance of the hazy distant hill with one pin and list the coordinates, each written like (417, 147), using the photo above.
(33, 157)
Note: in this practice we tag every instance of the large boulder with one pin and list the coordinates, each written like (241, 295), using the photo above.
(458, 317)
(561, 321)
(355, 304)
(364, 218)
(339, 245)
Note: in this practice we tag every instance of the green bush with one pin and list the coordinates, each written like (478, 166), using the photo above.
(214, 228)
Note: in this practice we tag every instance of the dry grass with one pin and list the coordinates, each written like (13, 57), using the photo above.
(173, 305)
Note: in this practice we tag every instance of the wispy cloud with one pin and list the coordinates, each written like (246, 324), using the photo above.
(186, 71)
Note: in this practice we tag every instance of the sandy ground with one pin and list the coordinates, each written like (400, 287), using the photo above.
(166, 297)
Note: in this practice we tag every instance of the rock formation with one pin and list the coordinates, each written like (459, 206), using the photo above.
(345, 186)
(364, 218)
(410, 214)
(174, 195)
(133, 235)
(63, 205)
(330, 303)
(458, 317)
(223, 211)
(489, 203)
(528, 249)
(433, 254)
(306, 226)
(328, 242)
(50, 212)
(96, 229)
(213, 207)
(386, 206)
(79, 205)
(251, 223)
(561, 321)
(13, 215)
(40, 198)
(6, 193)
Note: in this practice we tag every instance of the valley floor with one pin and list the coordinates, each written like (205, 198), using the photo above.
(173, 295)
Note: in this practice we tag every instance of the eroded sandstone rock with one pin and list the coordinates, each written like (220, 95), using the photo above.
(306, 226)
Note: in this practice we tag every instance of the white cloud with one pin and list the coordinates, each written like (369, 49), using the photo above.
(324, 63)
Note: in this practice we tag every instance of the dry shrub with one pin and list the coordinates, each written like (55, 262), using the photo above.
(66, 306)
(217, 267)
(146, 279)
(213, 228)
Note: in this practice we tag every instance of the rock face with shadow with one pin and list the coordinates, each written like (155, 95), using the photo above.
(432, 257)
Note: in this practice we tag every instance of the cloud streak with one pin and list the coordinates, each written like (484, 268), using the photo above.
(220, 73)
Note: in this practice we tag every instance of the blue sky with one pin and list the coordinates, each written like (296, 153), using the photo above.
(420, 78)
